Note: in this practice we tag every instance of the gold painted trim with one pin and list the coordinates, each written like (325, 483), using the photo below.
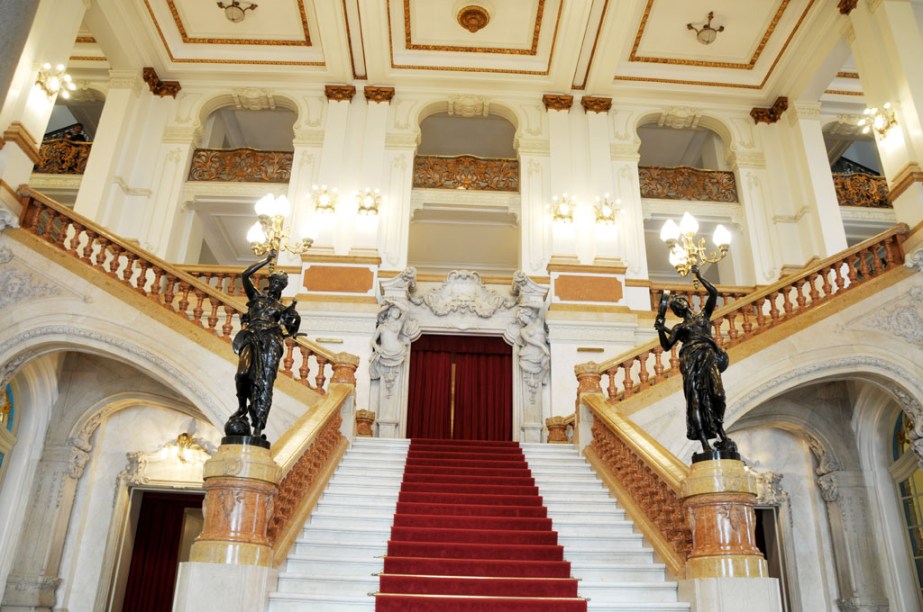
(545, 72)
(634, 57)
(586, 270)
(6, 186)
(349, 41)
(237, 41)
(584, 307)
(848, 75)
(910, 174)
(731, 85)
(440, 278)
(638, 282)
(339, 299)
(85, 39)
(20, 136)
(663, 549)
(409, 44)
(209, 269)
(177, 60)
(589, 64)
(86, 58)
(340, 259)
(843, 92)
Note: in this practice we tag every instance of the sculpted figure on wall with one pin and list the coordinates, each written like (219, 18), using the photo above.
(391, 341)
(534, 355)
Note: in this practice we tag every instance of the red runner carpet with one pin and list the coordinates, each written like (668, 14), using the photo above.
(470, 533)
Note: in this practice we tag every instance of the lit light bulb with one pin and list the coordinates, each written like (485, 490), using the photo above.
(282, 206)
(264, 206)
(688, 224)
(670, 231)
(256, 235)
(721, 237)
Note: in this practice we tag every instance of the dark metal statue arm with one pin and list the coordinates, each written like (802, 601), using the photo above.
(249, 289)
(712, 300)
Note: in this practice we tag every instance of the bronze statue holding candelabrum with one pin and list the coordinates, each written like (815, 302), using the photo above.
(260, 346)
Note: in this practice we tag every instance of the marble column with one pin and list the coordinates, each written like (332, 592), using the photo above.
(167, 220)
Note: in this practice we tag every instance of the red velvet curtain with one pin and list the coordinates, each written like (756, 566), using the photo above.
(483, 388)
(152, 574)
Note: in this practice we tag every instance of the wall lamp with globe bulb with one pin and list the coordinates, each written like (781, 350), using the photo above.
(687, 249)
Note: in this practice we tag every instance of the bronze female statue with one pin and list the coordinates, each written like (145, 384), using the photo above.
(260, 345)
(701, 362)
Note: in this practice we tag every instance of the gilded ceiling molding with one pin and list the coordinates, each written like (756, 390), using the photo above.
(237, 41)
(473, 18)
(593, 104)
(848, 75)
(557, 102)
(846, 6)
(20, 136)
(85, 39)
(158, 87)
(339, 93)
(532, 50)
(771, 114)
(378, 94)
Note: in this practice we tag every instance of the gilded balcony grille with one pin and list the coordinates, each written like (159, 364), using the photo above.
(465, 172)
(61, 156)
(243, 165)
(860, 189)
(685, 183)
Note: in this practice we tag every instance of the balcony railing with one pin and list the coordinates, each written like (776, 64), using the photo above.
(685, 183)
(697, 297)
(62, 156)
(244, 165)
(860, 189)
(465, 172)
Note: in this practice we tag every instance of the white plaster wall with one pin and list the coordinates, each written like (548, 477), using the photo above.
(142, 428)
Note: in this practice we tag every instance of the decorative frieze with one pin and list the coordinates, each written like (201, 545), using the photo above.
(465, 172)
(558, 102)
(469, 106)
(62, 156)
(592, 104)
(158, 87)
(339, 93)
(863, 190)
(251, 98)
(463, 292)
(378, 94)
(685, 183)
(771, 114)
(680, 118)
(241, 165)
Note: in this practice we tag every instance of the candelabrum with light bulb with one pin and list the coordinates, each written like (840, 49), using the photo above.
(879, 119)
(324, 198)
(269, 234)
(687, 249)
(605, 210)
(54, 81)
(562, 208)
(368, 201)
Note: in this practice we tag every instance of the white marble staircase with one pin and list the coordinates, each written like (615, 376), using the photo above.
(334, 563)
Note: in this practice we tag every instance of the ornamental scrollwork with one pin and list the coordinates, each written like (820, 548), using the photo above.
(463, 292)
(860, 189)
(241, 165)
(465, 172)
(685, 183)
(62, 156)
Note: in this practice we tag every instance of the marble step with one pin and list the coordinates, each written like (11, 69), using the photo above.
(617, 571)
(306, 584)
(298, 602)
(634, 592)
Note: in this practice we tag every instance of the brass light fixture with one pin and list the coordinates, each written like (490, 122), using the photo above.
(325, 200)
(562, 208)
(473, 18)
(55, 81)
(706, 34)
(879, 119)
(234, 11)
(368, 201)
(687, 249)
(605, 210)
(269, 234)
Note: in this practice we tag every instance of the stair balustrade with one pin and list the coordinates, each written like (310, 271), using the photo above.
(697, 297)
(62, 156)
(189, 298)
(648, 365)
(228, 279)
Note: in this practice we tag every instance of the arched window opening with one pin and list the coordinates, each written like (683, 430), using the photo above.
(8, 426)
(69, 136)
(465, 199)
(265, 130)
(910, 490)
(669, 147)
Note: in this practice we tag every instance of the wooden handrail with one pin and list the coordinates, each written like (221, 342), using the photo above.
(645, 478)
(726, 293)
(643, 367)
(165, 284)
(229, 279)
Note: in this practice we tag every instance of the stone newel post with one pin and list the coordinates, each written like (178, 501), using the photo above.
(240, 484)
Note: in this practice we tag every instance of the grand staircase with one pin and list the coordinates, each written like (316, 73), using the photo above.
(343, 556)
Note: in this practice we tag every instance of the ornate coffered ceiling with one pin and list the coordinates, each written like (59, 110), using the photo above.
(603, 47)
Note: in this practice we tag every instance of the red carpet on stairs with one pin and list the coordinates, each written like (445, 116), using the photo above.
(471, 533)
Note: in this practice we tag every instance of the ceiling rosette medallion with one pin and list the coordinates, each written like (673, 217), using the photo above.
(557, 102)
(473, 18)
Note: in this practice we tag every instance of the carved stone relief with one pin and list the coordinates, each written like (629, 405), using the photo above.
(252, 98)
(468, 105)
(20, 285)
(680, 117)
(463, 292)
(903, 319)
(7, 219)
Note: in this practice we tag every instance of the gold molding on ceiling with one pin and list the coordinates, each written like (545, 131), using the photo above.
(769, 72)
(848, 75)
(177, 60)
(85, 39)
(589, 63)
(349, 41)
(409, 44)
(237, 41)
(86, 58)
(634, 57)
(554, 42)
(843, 92)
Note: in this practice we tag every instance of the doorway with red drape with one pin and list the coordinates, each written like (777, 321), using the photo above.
(461, 387)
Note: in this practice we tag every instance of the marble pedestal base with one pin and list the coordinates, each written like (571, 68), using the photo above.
(731, 594)
(229, 588)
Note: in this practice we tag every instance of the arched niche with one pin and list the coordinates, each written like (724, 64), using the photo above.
(252, 118)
